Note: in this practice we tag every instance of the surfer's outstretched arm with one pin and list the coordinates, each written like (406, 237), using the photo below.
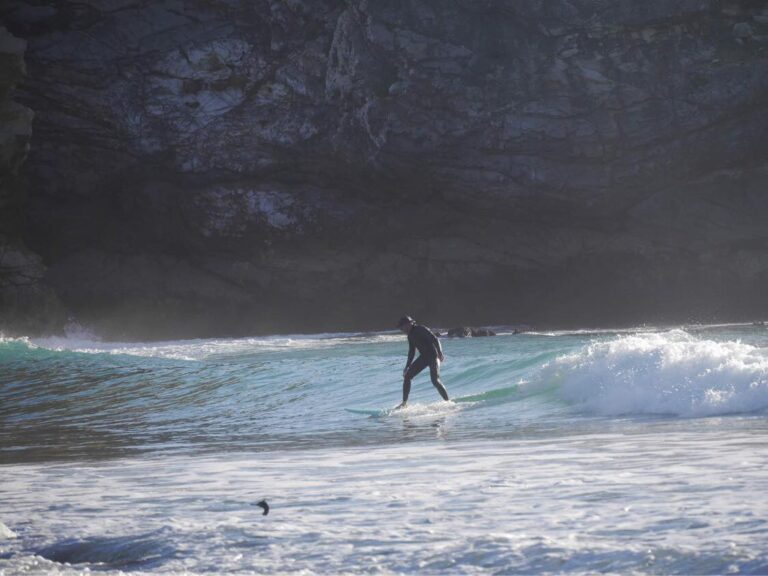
(436, 345)
(406, 391)
(411, 354)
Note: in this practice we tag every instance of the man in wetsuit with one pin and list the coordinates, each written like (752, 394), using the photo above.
(430, 354)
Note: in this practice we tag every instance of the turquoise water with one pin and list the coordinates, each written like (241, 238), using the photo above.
(617, 451)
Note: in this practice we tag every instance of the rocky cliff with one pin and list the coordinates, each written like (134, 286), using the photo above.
(204, 167)
(27, 303)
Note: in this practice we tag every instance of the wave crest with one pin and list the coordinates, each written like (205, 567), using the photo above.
(664, 373)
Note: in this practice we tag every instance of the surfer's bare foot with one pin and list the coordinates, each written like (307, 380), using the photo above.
(400, 406)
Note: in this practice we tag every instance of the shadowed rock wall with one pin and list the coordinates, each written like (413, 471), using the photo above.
(27, 303)
(220, 167)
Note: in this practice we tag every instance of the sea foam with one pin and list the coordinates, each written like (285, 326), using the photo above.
(6, 533)
(671, 373)
(201, 349)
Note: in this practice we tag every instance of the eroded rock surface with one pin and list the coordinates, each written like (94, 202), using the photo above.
(27, 303)
(467, 332)
(222, 166)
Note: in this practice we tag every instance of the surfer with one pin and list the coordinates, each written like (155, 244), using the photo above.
(430, 354)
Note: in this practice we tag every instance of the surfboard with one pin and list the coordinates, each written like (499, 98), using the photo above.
(375, 413)
(489, 396)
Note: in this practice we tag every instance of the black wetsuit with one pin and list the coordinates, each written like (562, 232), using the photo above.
(422, 338)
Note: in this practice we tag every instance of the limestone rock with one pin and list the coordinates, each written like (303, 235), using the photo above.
(322, 165)
(460, 332)
(27, 304)
(15, 119)
(465, 332)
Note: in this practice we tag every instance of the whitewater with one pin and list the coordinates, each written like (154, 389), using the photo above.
(614, 451)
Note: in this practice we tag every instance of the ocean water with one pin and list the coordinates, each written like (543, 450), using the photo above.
(638, 451)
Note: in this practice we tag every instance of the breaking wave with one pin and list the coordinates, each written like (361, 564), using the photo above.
(671, 373)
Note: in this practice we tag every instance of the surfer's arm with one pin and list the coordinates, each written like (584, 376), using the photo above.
(411, 354)
(438, 347)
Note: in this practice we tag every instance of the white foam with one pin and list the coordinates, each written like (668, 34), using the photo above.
(632, 330)
(418, 410)
(203, 348)
(664, 373)
(9, 339)
(6, 533)
(580, 504)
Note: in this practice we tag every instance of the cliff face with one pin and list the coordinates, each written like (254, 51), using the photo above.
(27, 303)
(202, 167)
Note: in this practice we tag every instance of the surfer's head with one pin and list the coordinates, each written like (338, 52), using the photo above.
(406, 323)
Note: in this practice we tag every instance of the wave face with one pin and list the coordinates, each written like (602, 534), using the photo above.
(75, 397)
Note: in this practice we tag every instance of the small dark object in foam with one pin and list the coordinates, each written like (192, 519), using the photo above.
(263, 504)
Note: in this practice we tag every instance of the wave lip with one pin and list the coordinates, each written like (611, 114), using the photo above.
(669, 373)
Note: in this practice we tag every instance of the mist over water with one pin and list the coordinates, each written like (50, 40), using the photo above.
(149, 456)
